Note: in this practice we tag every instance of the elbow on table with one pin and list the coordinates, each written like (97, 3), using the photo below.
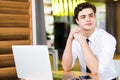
(94, 71)
(66, 68)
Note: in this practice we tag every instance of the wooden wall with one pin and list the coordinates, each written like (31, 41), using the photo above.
(15, 28)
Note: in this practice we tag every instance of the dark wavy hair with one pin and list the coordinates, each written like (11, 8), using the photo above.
(82, 6)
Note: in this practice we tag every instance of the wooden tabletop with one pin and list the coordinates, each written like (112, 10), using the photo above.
(72, 75)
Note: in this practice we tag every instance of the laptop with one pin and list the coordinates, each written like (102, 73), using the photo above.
(32, 62)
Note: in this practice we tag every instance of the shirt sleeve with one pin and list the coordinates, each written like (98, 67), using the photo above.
(106, 54)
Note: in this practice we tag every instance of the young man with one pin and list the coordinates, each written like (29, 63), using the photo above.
(96, 54)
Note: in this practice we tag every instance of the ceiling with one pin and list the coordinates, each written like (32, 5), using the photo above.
(107, 1)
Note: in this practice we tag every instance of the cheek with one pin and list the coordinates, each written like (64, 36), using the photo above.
(94, 22)
(81, 23)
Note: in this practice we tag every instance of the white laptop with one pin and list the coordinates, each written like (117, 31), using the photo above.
(32, 62)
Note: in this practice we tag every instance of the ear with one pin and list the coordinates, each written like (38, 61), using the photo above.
(77, 21)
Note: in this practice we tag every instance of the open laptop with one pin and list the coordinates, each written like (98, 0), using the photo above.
(32, 62)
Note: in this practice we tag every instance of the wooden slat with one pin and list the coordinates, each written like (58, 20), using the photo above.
(14, 31)
(6, 57)
(14, 21)
(7, 60)
(13, 4)
(13, 11)
(8, 44)
(7, 50)
(14, 37)
(16, 0)
(8, 72)
(13, 25)
(13, 17)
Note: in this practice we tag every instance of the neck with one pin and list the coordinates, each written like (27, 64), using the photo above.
(87, 33)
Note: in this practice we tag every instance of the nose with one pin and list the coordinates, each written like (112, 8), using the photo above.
(88, 18)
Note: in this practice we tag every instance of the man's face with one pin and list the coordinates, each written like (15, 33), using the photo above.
(86, 19)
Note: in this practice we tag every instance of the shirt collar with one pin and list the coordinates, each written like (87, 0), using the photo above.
(93, 36)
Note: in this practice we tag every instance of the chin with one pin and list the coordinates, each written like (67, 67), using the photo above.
(88, 28)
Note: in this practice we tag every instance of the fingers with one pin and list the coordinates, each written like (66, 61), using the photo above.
(72, 32)
(75, 33)
(78, 36)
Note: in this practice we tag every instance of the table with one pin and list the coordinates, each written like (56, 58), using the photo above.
(72, 75)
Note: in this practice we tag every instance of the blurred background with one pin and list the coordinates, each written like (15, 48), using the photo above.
(59, 19)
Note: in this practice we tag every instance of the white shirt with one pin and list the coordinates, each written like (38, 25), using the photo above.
(103, 46)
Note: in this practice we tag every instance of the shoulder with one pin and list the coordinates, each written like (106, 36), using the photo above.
(106, 37)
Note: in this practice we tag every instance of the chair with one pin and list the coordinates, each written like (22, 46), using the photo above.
(117, 67)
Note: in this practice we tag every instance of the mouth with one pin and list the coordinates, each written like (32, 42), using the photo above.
(88, 24)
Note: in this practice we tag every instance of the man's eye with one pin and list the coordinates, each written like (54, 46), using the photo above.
(82, 17)
(91, 15)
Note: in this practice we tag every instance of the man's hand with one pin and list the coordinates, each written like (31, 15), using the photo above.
(72, 32)
(80, 37)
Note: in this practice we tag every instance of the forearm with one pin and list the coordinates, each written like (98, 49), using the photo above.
(90, 59)
(67, 56)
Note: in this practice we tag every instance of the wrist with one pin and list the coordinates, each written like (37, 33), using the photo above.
(69, 41)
